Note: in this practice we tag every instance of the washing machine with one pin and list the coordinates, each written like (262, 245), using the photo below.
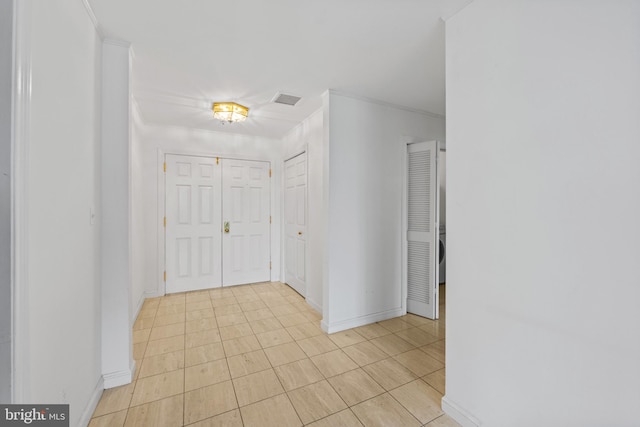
(443, 253)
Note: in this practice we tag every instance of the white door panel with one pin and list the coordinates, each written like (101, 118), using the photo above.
(246, 210)
(295, 227)
(422, 229)
(193, 212)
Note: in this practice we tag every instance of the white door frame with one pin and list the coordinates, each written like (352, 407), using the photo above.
(306, 209)
(20, 140)
(405, 199)
(161, 207)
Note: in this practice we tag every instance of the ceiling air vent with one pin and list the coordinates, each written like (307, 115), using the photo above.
(282, 98)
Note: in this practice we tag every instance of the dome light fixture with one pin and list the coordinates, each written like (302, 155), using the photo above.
(230, 112)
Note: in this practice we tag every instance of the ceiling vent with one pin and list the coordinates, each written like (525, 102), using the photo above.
(282, 98)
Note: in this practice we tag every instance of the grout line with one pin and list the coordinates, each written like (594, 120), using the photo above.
(184, 370)
(233, 385)
(278, 296)
(405, 408)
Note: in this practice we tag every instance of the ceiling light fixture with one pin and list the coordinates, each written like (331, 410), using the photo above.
(230, 112)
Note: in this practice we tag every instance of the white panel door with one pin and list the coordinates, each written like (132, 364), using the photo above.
(295, 222)
(193, 218)
(246, 222)
(422, 229)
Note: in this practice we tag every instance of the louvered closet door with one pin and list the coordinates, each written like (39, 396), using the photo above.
(193, 215)
(422, 229)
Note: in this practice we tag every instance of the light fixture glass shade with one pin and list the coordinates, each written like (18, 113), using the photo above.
(230, 112)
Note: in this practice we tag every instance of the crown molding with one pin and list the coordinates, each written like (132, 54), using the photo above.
(385, 104)
(92, 16)
(116, 42)
(453, 9)
(177, 100)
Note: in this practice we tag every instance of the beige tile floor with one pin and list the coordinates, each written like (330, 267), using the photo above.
(255, 355)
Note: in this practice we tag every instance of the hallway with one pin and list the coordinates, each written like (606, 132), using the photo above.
(255, 355)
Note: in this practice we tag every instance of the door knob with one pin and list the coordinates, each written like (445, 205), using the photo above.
(299, 233)
(226, 226)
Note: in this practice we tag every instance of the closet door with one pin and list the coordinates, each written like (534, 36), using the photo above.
(422, 229)
(193, 218)
(295, 222)
(246, 222)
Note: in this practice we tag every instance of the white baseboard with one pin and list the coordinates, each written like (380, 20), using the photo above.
(458, 413)
(314, 305)
(342, 325)
(133, 368)
(153, 294)
(85, 418)
(115, 379)
(138, 308)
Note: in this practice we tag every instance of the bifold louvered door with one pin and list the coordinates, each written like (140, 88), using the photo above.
(422, 229)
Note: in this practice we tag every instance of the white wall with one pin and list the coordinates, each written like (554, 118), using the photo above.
(6, 44)
(144, 174)
(154, 140)
(365, 145)
(116, 214)
(309, 136)
(60, 314)
(543, 101)
(139, 270)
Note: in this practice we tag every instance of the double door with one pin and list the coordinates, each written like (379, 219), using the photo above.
(217, 222)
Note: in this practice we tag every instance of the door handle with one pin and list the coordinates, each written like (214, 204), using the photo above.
(226, 226)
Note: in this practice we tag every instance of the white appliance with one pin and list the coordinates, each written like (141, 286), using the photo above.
(443, 253)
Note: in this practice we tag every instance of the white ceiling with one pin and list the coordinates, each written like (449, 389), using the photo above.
(190, 53)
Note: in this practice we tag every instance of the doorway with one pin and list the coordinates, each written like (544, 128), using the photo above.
(217, 222)
(295, 222)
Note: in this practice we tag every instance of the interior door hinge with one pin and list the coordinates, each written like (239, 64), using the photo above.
(269, 219)
(164, 166)
(269, 173)
(165, 221)
(165, 276)
(217, 160)
(269, 265)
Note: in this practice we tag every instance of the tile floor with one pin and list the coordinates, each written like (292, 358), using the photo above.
(255, 355)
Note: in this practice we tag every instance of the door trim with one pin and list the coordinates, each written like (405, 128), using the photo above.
(20, 141)
(405, 221)
(161, 287)
(286, 159)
